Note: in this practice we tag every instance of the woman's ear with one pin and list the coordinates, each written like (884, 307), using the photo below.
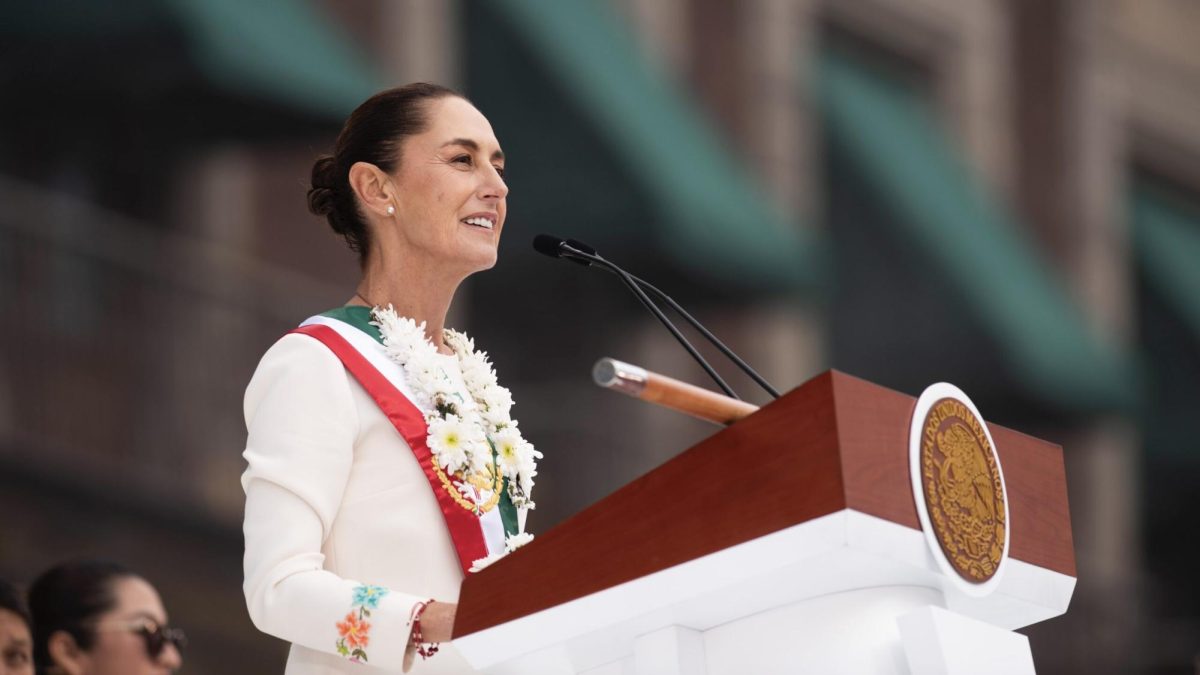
(373, 188)
(65, 654)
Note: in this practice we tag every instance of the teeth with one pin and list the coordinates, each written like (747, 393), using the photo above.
(481, 222)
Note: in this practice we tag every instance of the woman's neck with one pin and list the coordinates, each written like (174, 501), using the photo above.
(416, 289)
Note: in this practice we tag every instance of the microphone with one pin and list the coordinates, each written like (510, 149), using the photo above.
(557, 247)
(579, 252)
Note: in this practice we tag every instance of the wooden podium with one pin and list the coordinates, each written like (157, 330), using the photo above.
(788, 542)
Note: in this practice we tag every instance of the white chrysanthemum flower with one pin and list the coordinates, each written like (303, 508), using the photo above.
(478, 449)
(508, 443)
(498, 400)
(472, 415)
(472, 376)
(528, 457)
(526, 466)
(466, 402)
(516, 541)
(443, 386)
(475, 376)
(495, 395)
(511, 543)
(525, 488)
(460, 342)
(401, 335)
(449, 441)
(484, 563)
(494, 420)
(426, 375)
(497, 419)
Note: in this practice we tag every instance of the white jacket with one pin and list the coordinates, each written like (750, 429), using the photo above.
(335, 501)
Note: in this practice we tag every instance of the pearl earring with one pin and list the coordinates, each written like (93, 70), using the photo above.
(391, 209)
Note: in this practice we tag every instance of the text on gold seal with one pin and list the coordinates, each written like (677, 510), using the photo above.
(963, 491)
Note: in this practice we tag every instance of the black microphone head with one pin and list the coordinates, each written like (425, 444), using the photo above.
(567, 249)
(548, 244)
(580, 246)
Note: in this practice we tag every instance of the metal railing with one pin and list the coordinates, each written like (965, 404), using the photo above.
(126, 349)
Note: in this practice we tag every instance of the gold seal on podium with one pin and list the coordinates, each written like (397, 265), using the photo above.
(963, 489)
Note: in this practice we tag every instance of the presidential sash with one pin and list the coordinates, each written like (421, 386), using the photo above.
(477, 533)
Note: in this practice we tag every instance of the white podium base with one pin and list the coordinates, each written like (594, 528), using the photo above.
(878, 631)
(845, 593)
(938, 642)
(851, 632)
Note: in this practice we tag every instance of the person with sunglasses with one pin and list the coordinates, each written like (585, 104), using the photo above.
(97, 618)
(16, 642)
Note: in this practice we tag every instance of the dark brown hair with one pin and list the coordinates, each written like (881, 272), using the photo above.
(373, 133)
(10, 599)
(69, 597)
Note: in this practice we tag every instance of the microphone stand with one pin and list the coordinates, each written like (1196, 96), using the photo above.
(569, 249)
(737, 360)
(649, 305)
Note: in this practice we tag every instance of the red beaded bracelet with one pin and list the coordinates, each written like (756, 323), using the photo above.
(425, 649)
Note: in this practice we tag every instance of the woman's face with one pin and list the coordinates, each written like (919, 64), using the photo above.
(118, 647)
(450, 189)
(16, 645)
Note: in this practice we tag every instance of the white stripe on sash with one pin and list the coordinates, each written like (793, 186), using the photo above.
(493, 531)
(371, 349)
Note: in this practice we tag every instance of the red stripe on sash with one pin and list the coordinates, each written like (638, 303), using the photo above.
(463, 526)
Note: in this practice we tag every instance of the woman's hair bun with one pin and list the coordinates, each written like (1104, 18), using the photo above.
(320, 194)
(320, 201)
(323, 172)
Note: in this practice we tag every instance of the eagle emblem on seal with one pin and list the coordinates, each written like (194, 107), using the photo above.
(963, 490)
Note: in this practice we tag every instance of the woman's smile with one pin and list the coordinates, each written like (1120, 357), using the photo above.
(485, 221)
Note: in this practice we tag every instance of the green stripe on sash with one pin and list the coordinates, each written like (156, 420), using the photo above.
(357, 316)
(508, 512)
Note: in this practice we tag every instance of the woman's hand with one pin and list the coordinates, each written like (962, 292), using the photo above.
(437, 625)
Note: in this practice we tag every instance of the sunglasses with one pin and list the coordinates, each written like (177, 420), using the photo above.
(157, 637)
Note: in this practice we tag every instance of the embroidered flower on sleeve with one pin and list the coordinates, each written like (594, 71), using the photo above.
(368, 596)
(354, 631)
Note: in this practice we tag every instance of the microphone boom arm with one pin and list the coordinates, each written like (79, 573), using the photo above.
(645, 300)
(568, 249)
(737, 360)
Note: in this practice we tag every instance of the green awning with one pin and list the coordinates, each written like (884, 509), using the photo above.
(715, 220)
(282, 51)
(892, 138)
(1166, 233)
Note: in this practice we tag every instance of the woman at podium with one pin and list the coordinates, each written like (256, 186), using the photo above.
(382, 461)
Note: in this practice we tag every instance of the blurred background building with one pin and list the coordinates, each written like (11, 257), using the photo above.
(1004, 194)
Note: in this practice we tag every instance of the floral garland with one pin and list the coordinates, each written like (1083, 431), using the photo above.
(468, 438)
